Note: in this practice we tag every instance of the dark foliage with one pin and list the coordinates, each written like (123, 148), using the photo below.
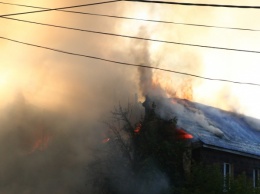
(146, 155)
(143, 154)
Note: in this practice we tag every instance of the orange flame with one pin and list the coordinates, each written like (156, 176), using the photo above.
(42, 141)
(41, 144)
(185, 90)
(105, 136)
(138, 128)
(182, 90)
(181, 134)
(106, 140)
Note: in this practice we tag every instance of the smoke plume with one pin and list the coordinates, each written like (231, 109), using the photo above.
(51, 104)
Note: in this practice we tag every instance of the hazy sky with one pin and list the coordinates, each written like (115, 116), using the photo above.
(50, 78)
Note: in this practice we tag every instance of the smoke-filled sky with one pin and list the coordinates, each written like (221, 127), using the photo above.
(51, 79)
(69, 95)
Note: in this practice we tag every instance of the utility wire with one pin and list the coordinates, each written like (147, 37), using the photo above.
(177, 3)
(137, 19)
(54, 9)
(196, 4)
(138, 38)
(128, 64)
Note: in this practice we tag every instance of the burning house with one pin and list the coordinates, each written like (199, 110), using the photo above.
(217, 137)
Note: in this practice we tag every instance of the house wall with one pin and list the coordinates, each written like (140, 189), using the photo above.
(239, 163)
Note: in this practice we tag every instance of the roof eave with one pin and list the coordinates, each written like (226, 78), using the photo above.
(231, 151)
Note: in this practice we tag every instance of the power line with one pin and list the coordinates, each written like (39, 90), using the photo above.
(160, 21)
(196, 4)
(128, 64)
(54, 9)
(171, 3)
(138, 38)
(137, 19)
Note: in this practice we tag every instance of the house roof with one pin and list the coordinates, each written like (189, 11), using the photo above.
(214, 127)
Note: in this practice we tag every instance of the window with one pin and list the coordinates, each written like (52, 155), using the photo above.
(227, 174)
(256, 177)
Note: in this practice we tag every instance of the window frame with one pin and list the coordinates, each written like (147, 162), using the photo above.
(256, 179)
(227, 173)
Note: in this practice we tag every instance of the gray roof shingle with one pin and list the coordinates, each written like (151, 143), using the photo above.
(213, 126)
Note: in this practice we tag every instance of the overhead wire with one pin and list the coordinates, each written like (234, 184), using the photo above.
(136, 19)
(128, 64)
(139, 38)
(177, 3)
(196, 4)
(68, 7)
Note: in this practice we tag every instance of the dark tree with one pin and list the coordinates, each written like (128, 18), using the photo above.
(143, 154)
(149, 155)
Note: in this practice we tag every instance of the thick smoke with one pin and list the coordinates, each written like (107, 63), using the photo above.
(140, 52)
(41, 150)
(51, 104)
(166, 109)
